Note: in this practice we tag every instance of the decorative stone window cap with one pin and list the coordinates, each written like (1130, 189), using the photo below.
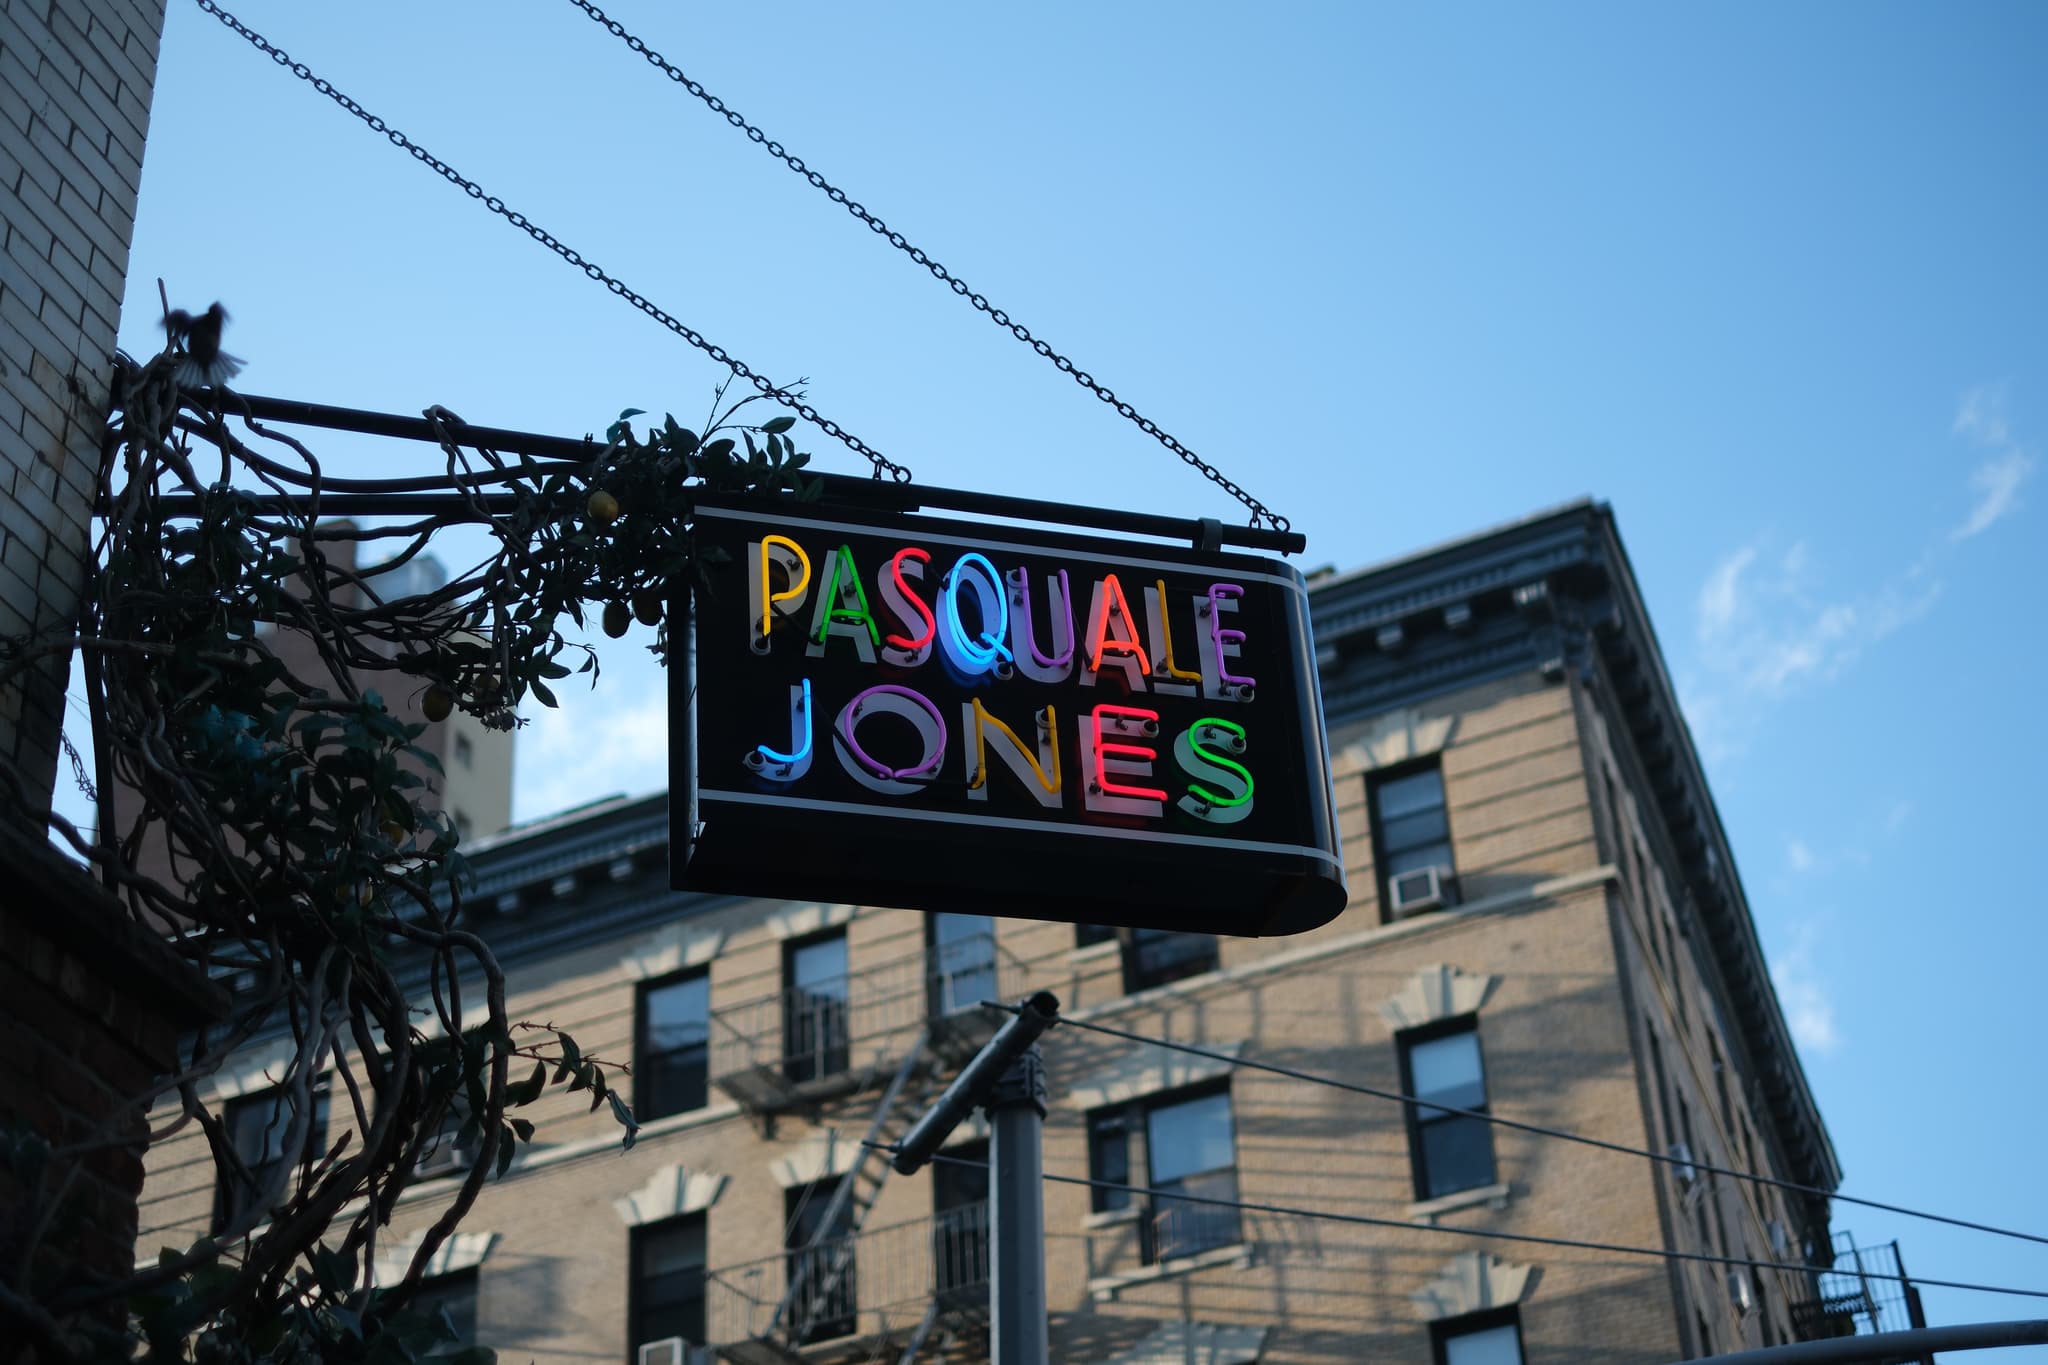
(1384, 741)
(254, 1071)
(816, 1158)
(1148, 1070)
(462, 1251)
(1436, 992)
(1471, 1283)
(799, 920)
(669, 1193)
(1196, 1343)
(671, 948)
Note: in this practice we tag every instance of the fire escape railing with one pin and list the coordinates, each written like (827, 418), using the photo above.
(801, 1042)
(877, 1283)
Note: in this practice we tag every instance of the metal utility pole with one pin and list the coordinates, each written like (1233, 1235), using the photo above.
(1008, 1077)
(1017, 1204)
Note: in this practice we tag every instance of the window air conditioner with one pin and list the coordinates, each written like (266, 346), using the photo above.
(1426, 888)
(445, 1157)
(1781, 1241)
(1687, 1173)
(1739, 1292)
(667, 1351)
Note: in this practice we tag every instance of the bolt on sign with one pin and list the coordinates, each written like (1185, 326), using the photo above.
(896, 710)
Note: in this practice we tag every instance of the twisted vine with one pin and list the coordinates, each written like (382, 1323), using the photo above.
(267, 812)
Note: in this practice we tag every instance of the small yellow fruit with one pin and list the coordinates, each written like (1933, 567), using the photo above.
(393, 831)
(602, 507)
(647, 608)
(437, 704)
(618, 619)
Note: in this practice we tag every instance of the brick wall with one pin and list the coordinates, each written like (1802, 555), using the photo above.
(91, 1008)
(75, 84)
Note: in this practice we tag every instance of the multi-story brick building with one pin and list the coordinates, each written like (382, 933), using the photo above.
(1545, 924)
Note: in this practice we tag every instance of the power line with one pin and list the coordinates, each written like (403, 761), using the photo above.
(939, 272)
(1537, 1239)
(1536, 1128)
(765, 387)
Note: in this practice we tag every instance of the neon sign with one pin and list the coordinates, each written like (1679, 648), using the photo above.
(910, 712)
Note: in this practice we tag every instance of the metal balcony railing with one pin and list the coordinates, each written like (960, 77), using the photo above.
(807, 1043)
(893, 1277)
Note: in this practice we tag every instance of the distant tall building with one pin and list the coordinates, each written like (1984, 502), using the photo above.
(1545, 925)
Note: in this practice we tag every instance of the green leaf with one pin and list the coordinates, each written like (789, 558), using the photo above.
(528, 1090)
(623, 1112)
(506, 1152)
(778, 425)
(523, 1128)
(541, 693)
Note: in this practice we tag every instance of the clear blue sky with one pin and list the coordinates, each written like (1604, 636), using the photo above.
(1768, 278)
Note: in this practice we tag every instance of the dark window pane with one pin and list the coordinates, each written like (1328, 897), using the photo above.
(1085, 934)
(259, 1127)
(668, 1291)
(1405, 795)
(1161, 955)
(960, 1263)
(815, 1035)
(1190, 1138)
(452, 1299)
(1457, 1154)
(821, 1262)
(1408, 831)
(963, 962)
(1109, 1158)
(675, 1030)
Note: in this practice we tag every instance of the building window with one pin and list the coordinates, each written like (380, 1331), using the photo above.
(821, 1262)
(1154, 957)
(963, 962)
(671, 1046)
(1190, 1148)
(960, 1264)
(450, 1300)
(450, 1149)
(814, 1027)
(1451, 1152)
(668, 1281)
(1490, 1338)
(258, 1127)
(1411, 833)
(1086, 934)
(465, 752)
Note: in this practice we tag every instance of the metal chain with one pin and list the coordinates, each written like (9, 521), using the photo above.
(939, 272)
(547, 239)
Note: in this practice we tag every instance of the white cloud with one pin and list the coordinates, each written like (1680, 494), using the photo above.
(1807, 1001)
(593, 745)
(1895, 819)
(1981, 415)
(1997, 483)
(1980, 418)
(1719, 595)
(1799, 856)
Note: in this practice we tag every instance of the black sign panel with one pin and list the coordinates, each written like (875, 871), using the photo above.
(895, 710)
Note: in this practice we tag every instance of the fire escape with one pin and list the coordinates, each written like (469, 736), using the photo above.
(847, 1290)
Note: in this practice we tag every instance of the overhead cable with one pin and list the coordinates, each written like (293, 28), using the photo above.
(939, 272)
(1492, 1234)
(767, 389)
(1540, 1130)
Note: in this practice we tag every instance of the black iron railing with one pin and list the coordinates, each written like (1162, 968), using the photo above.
(874, 1282)
(826, 1028)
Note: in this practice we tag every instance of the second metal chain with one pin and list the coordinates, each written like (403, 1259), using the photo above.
(767, 388)
(955, 283)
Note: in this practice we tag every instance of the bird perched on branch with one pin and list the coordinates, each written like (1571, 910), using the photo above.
(204, 363)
